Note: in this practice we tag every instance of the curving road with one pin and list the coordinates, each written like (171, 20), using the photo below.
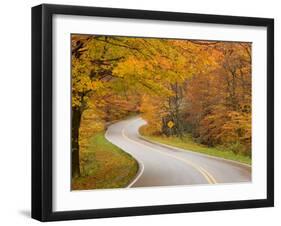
(161, 165)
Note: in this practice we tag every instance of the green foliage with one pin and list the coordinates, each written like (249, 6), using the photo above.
(188, 143)
(103, 165)
(236, 147)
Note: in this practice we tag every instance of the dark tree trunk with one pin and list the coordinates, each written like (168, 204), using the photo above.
(76, 119)
(176, 102)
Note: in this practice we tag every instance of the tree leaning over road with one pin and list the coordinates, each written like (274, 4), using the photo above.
(102, 66)
(203, 87)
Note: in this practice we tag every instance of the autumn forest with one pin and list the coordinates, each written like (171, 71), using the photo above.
(193, 94)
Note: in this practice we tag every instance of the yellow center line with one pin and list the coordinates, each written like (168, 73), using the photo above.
(207, 175)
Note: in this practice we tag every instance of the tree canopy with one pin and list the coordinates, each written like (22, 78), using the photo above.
(203, 87)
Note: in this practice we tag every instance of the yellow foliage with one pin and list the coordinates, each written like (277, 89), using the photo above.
(204, 84)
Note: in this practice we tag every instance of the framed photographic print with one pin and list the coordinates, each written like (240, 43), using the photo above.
(146, 112)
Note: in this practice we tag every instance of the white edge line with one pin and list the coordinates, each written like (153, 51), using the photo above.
(193, 152)
(139, 173)
(209, 179)
(140, 164)
(205, 173)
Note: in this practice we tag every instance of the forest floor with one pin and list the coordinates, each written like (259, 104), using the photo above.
(104, 165)
(189, 144)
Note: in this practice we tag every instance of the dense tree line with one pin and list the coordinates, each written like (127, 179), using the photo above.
(203, 87)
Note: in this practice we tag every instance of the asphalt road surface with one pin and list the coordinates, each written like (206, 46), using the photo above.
(161, 165)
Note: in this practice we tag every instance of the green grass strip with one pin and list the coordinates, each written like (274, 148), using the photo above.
(104, 165)
(188, 143)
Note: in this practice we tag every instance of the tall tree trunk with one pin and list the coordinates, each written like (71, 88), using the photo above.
(76, 119)
(176, 109)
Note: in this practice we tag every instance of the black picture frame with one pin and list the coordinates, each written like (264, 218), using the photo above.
(42, 107)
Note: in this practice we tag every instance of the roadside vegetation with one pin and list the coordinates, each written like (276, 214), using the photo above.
(196, 87)
(103, 165)
(188, 143)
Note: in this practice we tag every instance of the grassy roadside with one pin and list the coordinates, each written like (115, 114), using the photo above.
(104, 165)
(188, 144)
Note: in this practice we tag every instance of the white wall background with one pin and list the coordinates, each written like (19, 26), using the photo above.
(15, 119)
